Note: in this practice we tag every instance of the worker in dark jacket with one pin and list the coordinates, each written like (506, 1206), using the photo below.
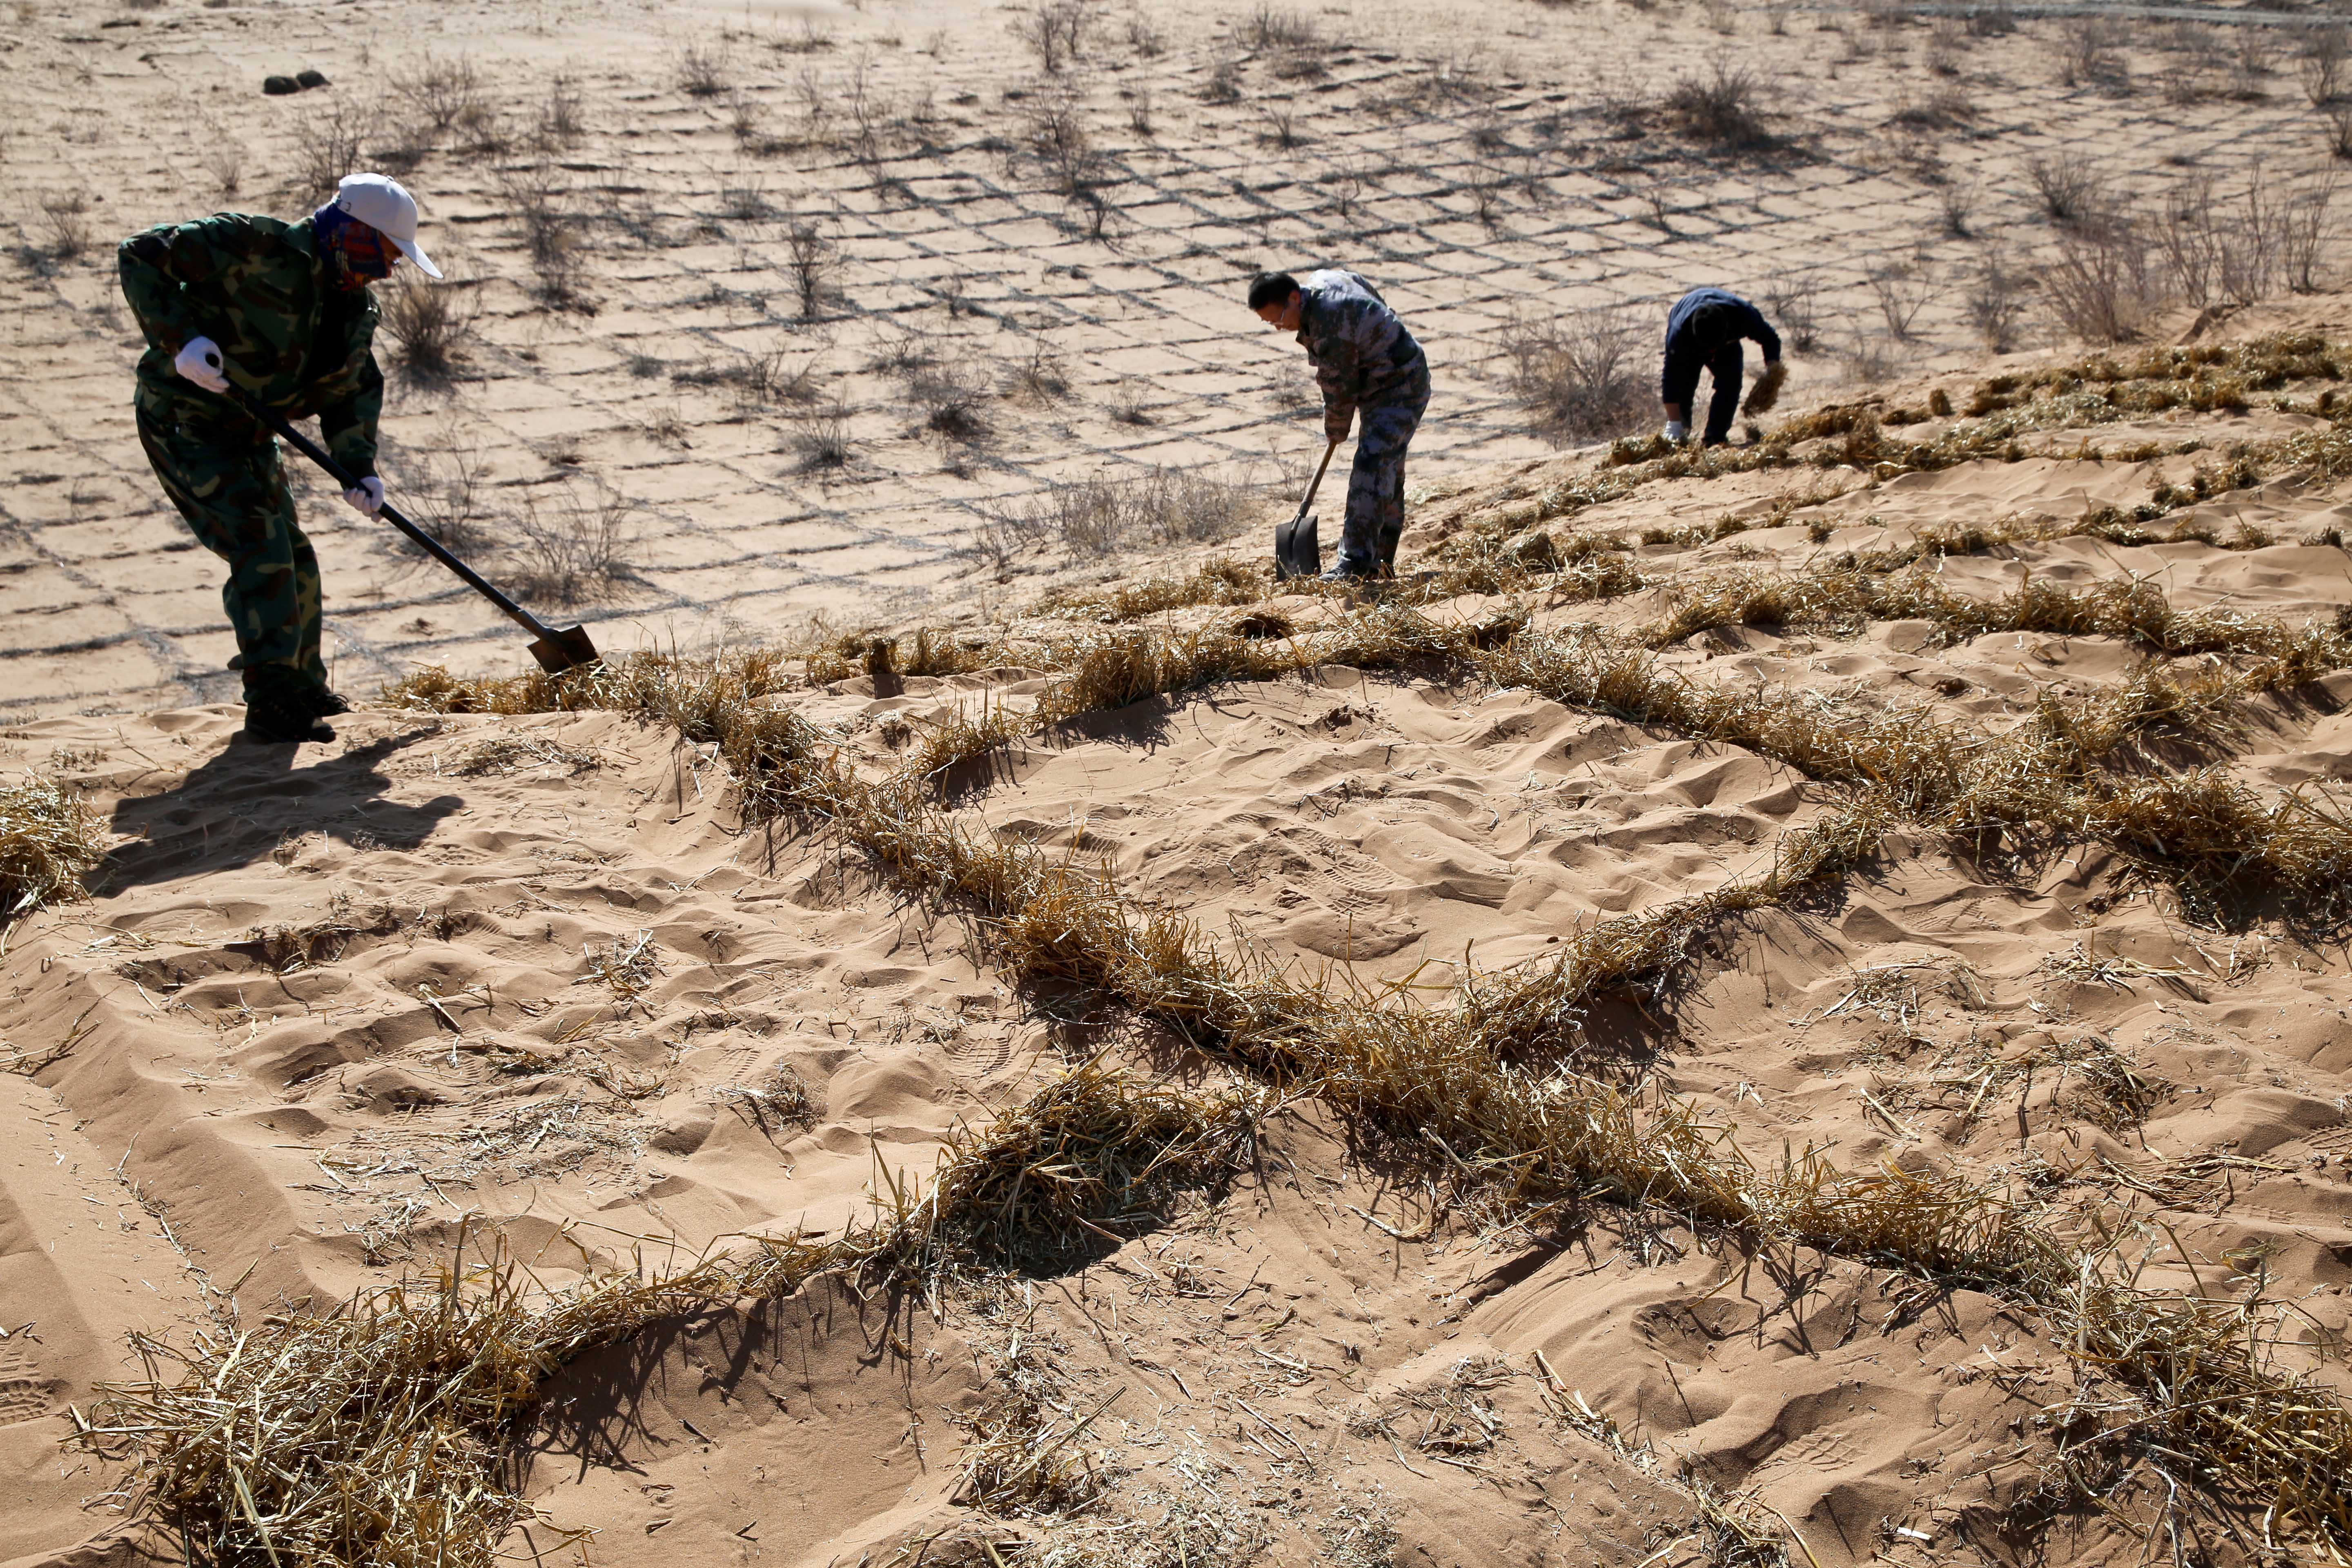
(281, 312)
(1704, 330)
(1366, 363)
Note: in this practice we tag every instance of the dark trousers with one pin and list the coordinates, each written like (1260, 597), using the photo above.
(1724, 367)
(1368, 541)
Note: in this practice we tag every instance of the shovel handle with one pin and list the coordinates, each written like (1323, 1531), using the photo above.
(1317, 483)
(390, 513)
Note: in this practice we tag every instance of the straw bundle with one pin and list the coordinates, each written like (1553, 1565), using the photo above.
(369, 1436)
(49, 839)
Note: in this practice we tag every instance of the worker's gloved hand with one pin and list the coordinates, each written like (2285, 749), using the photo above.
(1676, 430)
(200, 363)
(1337, 426)
(1767, 389)
(367, 496)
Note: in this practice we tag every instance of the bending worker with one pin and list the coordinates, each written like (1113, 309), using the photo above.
(1365, 362)
(283, 311)
(1704, 330)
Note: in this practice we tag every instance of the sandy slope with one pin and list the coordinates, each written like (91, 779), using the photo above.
(905, 133)
(530, 973)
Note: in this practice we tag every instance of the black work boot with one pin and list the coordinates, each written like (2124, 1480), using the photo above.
(323, 703)
(282, 712)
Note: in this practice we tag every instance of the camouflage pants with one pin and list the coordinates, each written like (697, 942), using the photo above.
(221, 469)
(1376, 484)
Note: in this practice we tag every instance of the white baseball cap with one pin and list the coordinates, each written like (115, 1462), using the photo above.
(379, 201)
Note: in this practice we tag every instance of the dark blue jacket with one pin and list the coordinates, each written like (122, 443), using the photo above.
(1704, 321)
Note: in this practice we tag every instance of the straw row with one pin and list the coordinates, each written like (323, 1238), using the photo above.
(375, 1436)
(2098, 391)
(1446, 1083)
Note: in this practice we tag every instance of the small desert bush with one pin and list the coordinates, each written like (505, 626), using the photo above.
(440, 487)
(64, 226)
(2319, 65)
(820, 435)
(1584, 376)
(1056, 31)
(438, 91)
(537, 200)
(573, 542)
(562, 117)
(1105, 512)
(702, 70)
(327, 144)
(2072, 186)
(431, 325)
(814, 260)
(2090, 51)
(1718, 109)
(2099, 287)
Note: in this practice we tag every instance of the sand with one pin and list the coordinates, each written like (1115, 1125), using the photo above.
(536, 977)
(670, 387)
(532, 973)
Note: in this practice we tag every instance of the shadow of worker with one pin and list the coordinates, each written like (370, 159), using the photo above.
(244, 801)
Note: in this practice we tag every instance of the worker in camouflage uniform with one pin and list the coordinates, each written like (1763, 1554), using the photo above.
(279, 313)
(1369, 364)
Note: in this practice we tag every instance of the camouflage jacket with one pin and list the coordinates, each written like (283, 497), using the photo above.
(1363, 353)
(257, 287)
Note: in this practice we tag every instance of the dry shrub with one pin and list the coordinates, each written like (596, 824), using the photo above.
(2233, 252)
(562, 118)
(2321, 51)
(431, 325)
(757, 380)
(702, 70)
(814, 261)
(440, 488)
(1718, 109)
(1585, 376)
(537, 199)
(64, 226)
(327, 147)
(821, 436)
(2090, 51)
(575, 546)
(440, 91)
(49, 839)
(1105, 513)
(1996, 302)
(2099, 287)
(1794, 302)
(1056, 31)
(2072, 186)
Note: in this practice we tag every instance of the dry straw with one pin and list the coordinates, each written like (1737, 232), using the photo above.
(49, 840)
(375, 1436)
(2100, 390)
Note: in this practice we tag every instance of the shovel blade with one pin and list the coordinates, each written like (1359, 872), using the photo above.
(562, 648)
(1297, 552)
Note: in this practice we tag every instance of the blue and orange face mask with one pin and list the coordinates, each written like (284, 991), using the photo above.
(356, 252)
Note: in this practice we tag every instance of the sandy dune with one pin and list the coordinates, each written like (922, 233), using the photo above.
(551, 984)
(1483, 164)
(534, 974)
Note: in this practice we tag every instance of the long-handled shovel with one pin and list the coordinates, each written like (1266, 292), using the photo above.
(1298, 553)
(557, 648)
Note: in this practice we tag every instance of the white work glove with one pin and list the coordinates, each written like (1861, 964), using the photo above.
(367, 496)
(1676, 430)
(200, 363)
